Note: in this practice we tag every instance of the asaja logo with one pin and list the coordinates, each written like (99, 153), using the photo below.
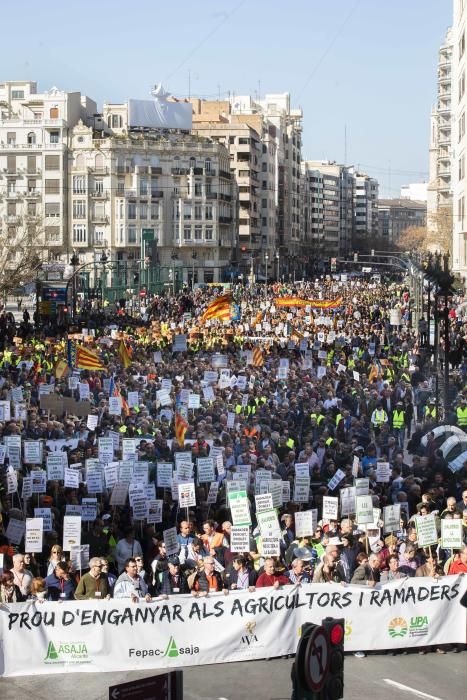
(172, 649)
(398, 627)
(65, 652)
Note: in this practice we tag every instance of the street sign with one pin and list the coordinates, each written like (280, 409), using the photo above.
(167, 686)
(142, 293)
(317, 659)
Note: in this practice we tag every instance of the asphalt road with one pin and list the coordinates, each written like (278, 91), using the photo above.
(432, 677)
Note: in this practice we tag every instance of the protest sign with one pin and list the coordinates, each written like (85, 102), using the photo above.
(336, 480)
(71, 478)
(164, 472)
(33, 535)
(239, 539)
(119, 494)
(71, 531)
(305, 523)
(15, 531)
(268, 523)
(391, 518)
(55, 466)
(38, 481)
(362, 487)
(239, 507)
(263, 502)
(154, 512)
(79, 555)
(32, 452)
(186, 495)
(213, 492)
(451, 533)
(383, 472)
(205, 467)
(172, 546)
(427, 533)
(301, 490)
(302, 470)
(46, 516)
(364, 506)
(330, 507)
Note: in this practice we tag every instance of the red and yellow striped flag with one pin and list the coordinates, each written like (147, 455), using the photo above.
(124, 354)
(314, 303)
(87, 359)
(181, 426)
(219, 308)
(258, 359)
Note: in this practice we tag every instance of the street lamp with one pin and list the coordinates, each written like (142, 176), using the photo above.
(277, 262)
(74, 263)
(266, 258)
(174, 257)
(194, 255)
(103, 261)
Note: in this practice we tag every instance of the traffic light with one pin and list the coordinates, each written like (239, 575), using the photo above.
(318, 670)
(333, 687)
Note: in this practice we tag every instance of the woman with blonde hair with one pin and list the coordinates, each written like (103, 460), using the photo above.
(56, 555)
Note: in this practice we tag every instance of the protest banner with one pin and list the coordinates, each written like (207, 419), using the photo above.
(46, 515)
(117, 635)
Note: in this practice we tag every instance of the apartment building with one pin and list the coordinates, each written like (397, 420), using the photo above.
(327, 208)
(396, 215)
(459, 139)
(439, 192)
(34, 154)
(365, 216)
(145, 195)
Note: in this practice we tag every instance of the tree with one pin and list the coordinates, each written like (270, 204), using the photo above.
(413, 238)
(20, 255)
(440, 230)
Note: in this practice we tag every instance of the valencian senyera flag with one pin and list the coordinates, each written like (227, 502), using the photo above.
(124, 354)
(314, 303)
(220, 308)
(82, 358)
(181, 426)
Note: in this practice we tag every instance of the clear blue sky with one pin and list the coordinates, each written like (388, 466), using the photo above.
(367, 65)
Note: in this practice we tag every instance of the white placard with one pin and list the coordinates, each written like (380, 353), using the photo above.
(285, 486)
(128, 448)
(362, 486)
(186, 495)
(45, 514)
(171, 543)
(392, 517)
(71, 531)
(33, 535)
(92, 421)
(301, 490)
(427, 533)
(164, 475)
(119, 494)
(239, 539)
(15, 531)
(268, 523)
(347, 497)
(263, 502)
(239, 508)
(330, 507)
(336, 480)
(302, 469)
(306, 522)
(271, 546)
(205, 469)
(154, 511)
(383, 472)
(55, 467)
(213, 493)
(39, 481)
(32, 451)
(364, 505)
(115, 406)
(71, 479)
(451, 533)
(79, 555)
(106, 449)
(194, 401)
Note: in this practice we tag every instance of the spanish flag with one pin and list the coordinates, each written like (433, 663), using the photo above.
(124, 354)
(82, 358)
(181, 426)
(219, 308)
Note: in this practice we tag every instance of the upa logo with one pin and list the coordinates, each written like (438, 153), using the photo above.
(348, 630)
(398, 627)
(418, 626)
(66, 652)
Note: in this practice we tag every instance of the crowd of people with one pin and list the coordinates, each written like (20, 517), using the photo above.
(341, 390)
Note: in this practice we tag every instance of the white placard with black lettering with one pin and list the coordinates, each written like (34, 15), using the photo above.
(46, 515)
(55, 467)
(92, 421)
(39, 481)
(106, 449)
(15, 531)
(71, 531)
(336, 480)
(285, 487)
(79, 555)
(239, 539)
(33, 535)
(263, 502)
(330, 507)
(301, 490)
(71, 478)
(154, 511)
(362, 487)
(347, 497)
(186, 495)
(172, 546)
(268, 523)
(213, 493)
(364, 506)
(306, 522)
(12, 481)
(302, 469)
(26, 491)
(88, 509)
(206, 472)
(119, 494)
(32, 451)
(164, 475)
(451, 533)
(383, 472)
(94, 481)
(427, 533)
(271, 546)
(391, 518)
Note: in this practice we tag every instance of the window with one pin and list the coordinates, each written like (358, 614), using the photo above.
(79, 233)
(52, 162)
(461, 86)
(54, 136)
(121, 209)
(192, 162)
(31, 138)
(32, 209)
(198, 212)
(17, 94)
(99, 236)
(198, 189)
(462, 45)
(121, 187)
(461, 167)
(208, 187)
(52, 234)
(53, 113)
(461, 126)
(11, 138)
(99, 186)
(154, 212)
(207, 165)
(187, 211)
(154, 182)
(11, 209)
(143, 211)
(31, 164)
(132, 210)
(121, 233)
(52, 186)
(131, 234)
(208, 212)
(11, 164)
(243, 140)
(143, 187)
(79, 184)
(209, 233)
(198, 233)
(115, 121)
(52, 209)
(187, 233)
(79, 209)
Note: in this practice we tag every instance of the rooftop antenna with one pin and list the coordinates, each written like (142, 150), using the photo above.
(345, 144)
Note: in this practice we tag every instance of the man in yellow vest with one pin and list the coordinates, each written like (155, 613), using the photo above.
(431, 414)
(398, 424)
(461, 414)
(378, 418)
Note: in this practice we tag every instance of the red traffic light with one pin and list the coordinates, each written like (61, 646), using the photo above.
(336, 634)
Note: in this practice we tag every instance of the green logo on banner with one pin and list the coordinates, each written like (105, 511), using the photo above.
(51, 652)
(171, 648)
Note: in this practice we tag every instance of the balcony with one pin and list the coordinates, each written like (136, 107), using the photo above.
(33, 172)
(443, 155)
(157, 194)
(225, 174)
(99, 219)
(210, 173)
(156, 171)
(12, 219)
(211, 195)
(14, 195)
(198, 171)
(225, 219)
(99, 195)
(99, 171)
(180, 171)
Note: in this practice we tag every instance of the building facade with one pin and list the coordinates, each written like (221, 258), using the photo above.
(34, 157)
(396, 215)
(459, 139)
(365, 214)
